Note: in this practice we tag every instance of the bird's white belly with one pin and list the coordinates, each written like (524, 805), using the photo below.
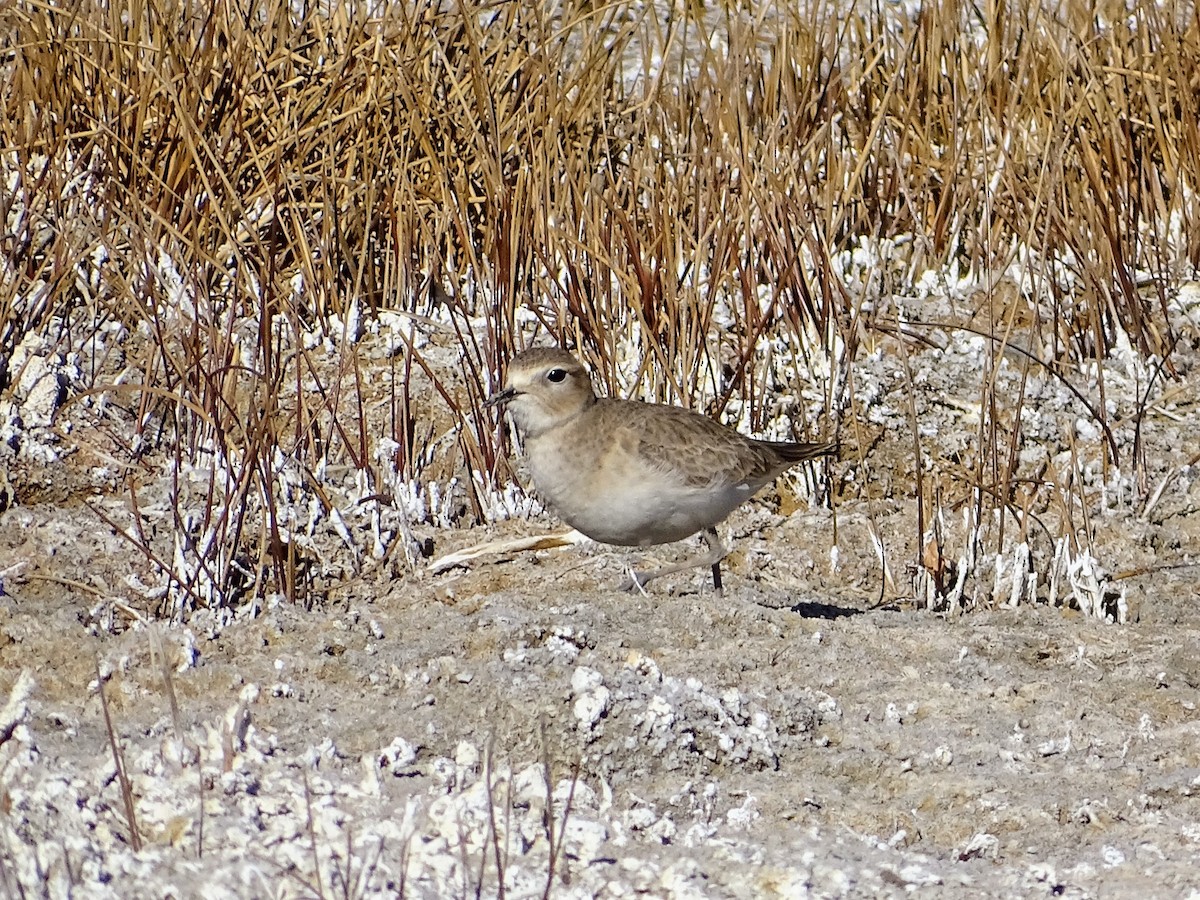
(634, 507)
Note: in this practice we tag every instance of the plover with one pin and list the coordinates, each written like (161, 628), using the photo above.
(631, 473)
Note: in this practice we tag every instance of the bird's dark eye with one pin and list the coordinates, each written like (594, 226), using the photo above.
(556, 375)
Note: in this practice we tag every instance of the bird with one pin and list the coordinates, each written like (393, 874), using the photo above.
(630, 473)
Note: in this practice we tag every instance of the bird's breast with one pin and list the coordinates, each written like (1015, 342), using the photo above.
(614, 497)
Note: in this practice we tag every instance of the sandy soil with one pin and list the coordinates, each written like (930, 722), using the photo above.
(813, 732)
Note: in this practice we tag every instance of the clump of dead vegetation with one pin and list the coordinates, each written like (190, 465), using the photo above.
(203, 198)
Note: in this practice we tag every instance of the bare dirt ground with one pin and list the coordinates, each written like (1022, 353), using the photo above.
(810, 733)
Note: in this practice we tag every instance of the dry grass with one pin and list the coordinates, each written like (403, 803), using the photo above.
(201, 194)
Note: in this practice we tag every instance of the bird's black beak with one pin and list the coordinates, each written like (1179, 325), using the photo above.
(500, 398)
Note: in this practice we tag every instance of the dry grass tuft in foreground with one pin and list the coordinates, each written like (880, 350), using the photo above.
(210, 208)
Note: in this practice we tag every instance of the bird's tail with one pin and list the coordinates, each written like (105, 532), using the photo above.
(799, 452)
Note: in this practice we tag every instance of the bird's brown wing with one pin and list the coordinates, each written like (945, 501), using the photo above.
(698, 450)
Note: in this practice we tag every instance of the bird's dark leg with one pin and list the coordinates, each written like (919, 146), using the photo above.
(716, 552)
(715, 546)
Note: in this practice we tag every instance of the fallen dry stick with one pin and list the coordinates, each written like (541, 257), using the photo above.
(538, 542)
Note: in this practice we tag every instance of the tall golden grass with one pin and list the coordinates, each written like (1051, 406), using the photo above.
(667, 184)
